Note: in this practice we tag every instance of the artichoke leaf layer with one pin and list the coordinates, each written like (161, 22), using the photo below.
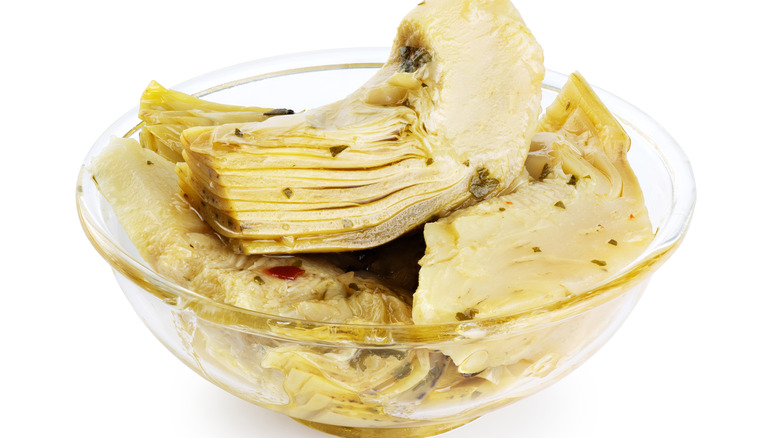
(442, 125)
(167, 113)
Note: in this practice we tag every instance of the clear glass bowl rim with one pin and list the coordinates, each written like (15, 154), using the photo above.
(667, 239)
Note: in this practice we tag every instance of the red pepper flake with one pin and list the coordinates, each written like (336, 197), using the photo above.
(631, 216)
(508, 202)
(285, 272)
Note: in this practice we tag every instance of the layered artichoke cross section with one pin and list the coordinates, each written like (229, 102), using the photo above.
(436, 128)
(298, 182)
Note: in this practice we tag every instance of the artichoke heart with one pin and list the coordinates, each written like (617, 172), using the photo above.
(578, 220)
(141, 187)
(443, 124)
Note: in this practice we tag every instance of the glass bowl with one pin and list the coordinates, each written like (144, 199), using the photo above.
(376, 380)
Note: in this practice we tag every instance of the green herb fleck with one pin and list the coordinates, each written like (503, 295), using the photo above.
(238, 133)
(480, 188)
(347, 223)
(259, 280)
(536, 249)
(572, 180)
(429, 161)
(279, 112)
(560, 204)
(287, 192)
(149, 163)
(612, 242)
(501, 209)
(481, 184)
(599, 262)
(467, 163)
(467, 315)
(353, 286)
(335, 150)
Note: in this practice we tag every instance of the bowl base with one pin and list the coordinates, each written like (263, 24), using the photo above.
(384, 432)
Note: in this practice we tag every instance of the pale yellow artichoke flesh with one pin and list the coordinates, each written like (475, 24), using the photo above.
(579, 219)
(166, 113)
(444, 124)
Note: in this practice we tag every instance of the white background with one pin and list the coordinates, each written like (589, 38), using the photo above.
(698, 357)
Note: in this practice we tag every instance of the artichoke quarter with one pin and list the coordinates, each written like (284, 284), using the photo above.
(141, 187)
(578, 220)
(446, 122)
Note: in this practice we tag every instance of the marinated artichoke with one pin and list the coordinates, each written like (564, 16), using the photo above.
(142, 190)
(445, 123)
(578, 219)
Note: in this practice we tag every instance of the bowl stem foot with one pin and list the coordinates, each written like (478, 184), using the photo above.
(384, 432)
